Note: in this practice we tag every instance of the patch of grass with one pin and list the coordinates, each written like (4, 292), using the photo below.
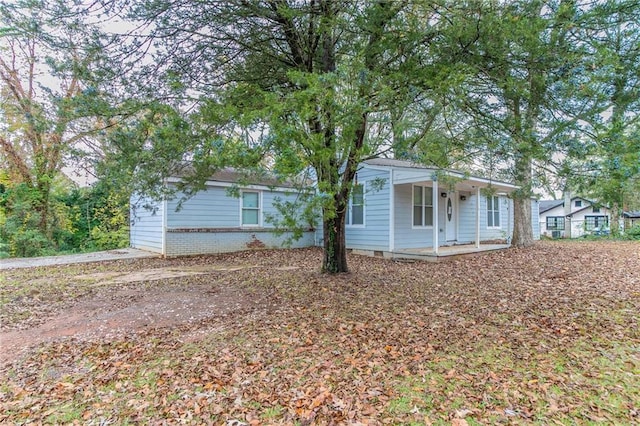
(594, 386)
(401, 405)
(65, 413)
(272, 413)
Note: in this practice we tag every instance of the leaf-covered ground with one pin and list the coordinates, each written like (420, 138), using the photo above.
(546, 335)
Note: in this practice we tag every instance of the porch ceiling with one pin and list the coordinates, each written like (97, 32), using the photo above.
(467, 183)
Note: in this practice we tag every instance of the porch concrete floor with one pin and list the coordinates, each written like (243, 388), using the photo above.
(445, 252)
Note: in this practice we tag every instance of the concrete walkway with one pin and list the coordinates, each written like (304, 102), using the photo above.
(98, 256)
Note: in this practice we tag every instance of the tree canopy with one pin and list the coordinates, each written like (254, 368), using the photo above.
(317, 84)
(48, 108)
(520, 89)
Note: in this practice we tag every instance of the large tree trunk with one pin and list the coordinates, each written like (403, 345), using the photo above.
(522, 231)
(42, 203)
(335, 248)
(522, 220)
(614, 225)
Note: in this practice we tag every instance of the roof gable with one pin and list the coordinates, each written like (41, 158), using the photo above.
(546, 205)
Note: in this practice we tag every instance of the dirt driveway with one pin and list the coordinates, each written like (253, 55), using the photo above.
(113, 304)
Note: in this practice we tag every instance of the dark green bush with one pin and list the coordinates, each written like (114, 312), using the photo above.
(633, 233)
(79, 220)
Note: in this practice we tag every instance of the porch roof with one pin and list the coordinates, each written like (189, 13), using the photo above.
(411, 172)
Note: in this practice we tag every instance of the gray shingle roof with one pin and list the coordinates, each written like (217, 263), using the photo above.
(546, 205)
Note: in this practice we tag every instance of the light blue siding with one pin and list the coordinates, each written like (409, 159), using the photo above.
(208, 222)
(467, 224)
(467, 219)
(319, 234)
(215, 208)
(146, 224)
(405, 235)
(268, 200)
(181, 243)
(374, 235)
(494, 233)
(210, 208)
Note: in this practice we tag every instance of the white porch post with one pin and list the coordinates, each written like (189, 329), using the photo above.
(434, 201)
(165, 207)
(478, 217)
(392, 219)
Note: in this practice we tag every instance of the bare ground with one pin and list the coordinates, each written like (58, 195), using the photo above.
(120, 303)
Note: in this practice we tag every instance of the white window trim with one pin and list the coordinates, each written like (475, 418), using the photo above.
(364, 208)
(259, 225)
(499, 212)
(424, 199)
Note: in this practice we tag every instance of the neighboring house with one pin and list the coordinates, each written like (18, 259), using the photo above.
(631, 219)
(395, 206)
(572, 217)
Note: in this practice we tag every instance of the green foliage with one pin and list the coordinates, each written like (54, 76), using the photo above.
(513, 107)
(81, 219)
(633, 233)
(19, 228)
(50, 111)
(608, 167)
(295, 216)
(110, 218)
(29, 243)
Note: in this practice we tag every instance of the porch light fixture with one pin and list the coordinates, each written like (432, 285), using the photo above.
(463, 198)
(443, 194)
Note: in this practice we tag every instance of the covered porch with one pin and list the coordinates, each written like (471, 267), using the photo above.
(450, 215)
(428, 254)
(446, 252)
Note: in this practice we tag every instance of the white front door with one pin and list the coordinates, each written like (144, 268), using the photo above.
(450, 216)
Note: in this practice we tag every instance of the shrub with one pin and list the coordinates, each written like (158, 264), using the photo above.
(29, 242)
(633, 233)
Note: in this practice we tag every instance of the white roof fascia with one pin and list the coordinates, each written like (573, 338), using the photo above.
(407, 175)
(252, 186)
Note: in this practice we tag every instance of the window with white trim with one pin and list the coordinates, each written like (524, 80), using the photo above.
(578, 203)
(493, 211)
(555, 223)
(422, 206)
(355, 211)
(250, 208)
